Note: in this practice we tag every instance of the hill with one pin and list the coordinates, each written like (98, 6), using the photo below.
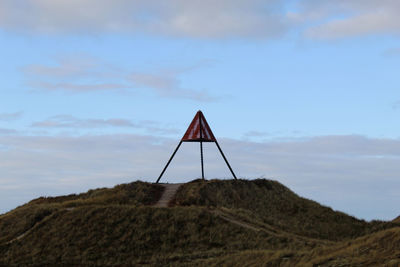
(217, 222)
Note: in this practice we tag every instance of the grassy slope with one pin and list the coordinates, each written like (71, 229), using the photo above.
(118, 234)
(18, 221)
(213, 223)
(381, 248)
(378, 249)
(274, 204)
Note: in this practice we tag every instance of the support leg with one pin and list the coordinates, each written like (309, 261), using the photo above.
(201, 156)
(166, 166)
(227, 163)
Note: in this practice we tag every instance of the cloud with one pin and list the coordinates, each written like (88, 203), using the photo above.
(203, 19)
(167, 85)
(391, 52)
(348, 18)
(197, 18)
(10, 116)
(396, 105)
(355, 174)
(365, 24)
(5, 131)
(71, 87)
(76, 66)
(256, 134)
(68, 121)
(86, 72)
(90, 75)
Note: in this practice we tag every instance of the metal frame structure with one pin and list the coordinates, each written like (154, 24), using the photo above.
(194, 134)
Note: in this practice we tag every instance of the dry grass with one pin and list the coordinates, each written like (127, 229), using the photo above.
(213, 223)
(136, 193)
(116, 234)
(274, 204)
(381, 248)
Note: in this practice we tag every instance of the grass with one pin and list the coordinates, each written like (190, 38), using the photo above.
(211, 223)
(100, 234)
(25, 217)
(136, 193)
(274, 204)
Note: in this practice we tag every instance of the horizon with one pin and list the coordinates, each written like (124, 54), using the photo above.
(305, 92)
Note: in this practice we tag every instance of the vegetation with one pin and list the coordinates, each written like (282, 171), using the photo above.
(136, 193)
(209, 223)
(378, 249)
(274, 204)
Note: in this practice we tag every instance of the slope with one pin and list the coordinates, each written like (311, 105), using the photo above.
(274, 204)
(378, 249)
(208, 222)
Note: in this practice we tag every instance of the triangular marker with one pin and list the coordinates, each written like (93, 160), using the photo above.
(198, 131)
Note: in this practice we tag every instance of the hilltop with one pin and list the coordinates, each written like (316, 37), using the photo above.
(216, 222)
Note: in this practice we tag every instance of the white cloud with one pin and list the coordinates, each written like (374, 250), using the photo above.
(10, 116)
(6, 131)
(345, 172)
(323, 19)
(396, 105)
(392, 52)
(166, 84)
(378, 22)
(71, 66)
(255, 134)
(79, 73)
(86, 74)
(75, 87)
(196, 18)
(68, 121)
(348, 18)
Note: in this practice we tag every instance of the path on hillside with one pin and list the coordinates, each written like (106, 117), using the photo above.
(36, 225)
(168, 195)
(230, 219)
(261, 227)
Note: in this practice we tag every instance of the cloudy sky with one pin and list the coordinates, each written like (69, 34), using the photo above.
(98, 92)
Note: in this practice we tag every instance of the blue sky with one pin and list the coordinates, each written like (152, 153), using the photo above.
(96, 93)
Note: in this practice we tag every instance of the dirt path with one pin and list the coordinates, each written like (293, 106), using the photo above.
(36, 225)
(226, 216)
(168, 194)
(230, 219)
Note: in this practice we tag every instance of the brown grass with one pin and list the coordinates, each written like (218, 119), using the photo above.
(213, 223)
(274, 204)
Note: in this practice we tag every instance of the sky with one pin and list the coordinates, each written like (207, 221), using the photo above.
(95, 93)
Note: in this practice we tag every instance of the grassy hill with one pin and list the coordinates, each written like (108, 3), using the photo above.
(217, 222)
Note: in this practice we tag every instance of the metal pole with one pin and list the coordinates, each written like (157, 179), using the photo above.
(166, 166)
(202, 164)
(227, 163)
(201, 146)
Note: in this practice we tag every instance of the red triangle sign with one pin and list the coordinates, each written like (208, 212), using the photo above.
(198, 130)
